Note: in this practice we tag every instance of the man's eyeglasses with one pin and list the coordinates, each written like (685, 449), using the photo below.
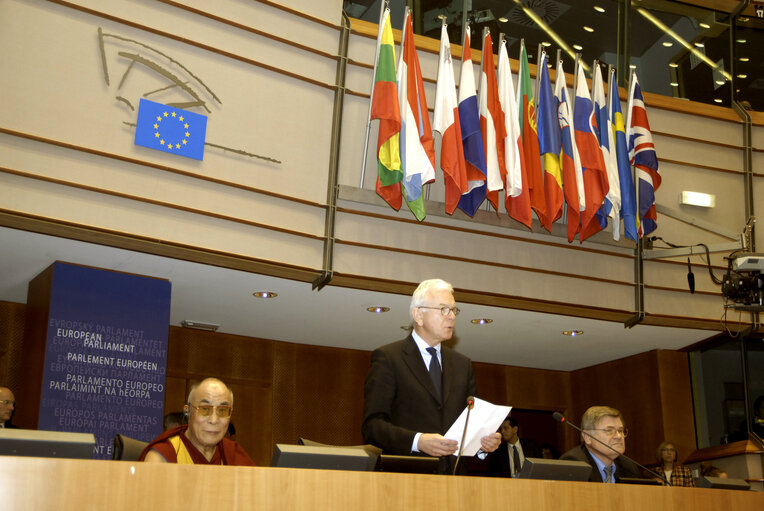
(611, 431)
(444, 310)
(7, 402)
(223, 411)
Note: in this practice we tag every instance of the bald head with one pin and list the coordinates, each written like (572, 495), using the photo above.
(7, 404)
(209, 383)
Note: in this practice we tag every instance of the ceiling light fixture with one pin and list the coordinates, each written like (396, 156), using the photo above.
(503, 20)
(573, 333)
(378, 309)
(673, 64)
(546, 44)
(682, 41)
(199, 325)
(717, 100)
(744, 59)
(720, 82)
(704, 25)
(264, 294)
(578, 47)
(599, 9)
(668, 44)
(588, 29)
(700, 45)
(741, 41)
(741, 75)
(674, 84)
(481, 321)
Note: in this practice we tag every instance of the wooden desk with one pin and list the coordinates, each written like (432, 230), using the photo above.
(58, 484)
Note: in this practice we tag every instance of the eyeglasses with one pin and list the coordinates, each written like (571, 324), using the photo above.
(444, 310)
(223, 411)
(611, 431)
(7, 402)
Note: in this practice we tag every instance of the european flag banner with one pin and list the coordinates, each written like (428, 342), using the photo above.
(171, 130)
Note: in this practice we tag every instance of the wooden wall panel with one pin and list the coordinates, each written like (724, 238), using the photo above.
(283, 390)
(676, 400)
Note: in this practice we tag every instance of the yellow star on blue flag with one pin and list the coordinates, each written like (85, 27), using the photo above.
(171, 130)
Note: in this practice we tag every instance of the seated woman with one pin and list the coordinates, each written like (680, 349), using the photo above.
(679, 475)
(202, 441)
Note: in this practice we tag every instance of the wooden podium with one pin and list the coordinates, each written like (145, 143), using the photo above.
(63, 484)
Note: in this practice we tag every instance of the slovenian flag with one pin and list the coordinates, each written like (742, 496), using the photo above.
(628, 199)
(416, 145)
(472, 140)
(642, 155)
(170, 129)
(572, 174)
(595, 173)
(384, 106)
(446, 122)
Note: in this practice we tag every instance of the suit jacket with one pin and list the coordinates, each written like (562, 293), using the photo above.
(624, 467)
(400, 399)
(498, 461)
(8, 425)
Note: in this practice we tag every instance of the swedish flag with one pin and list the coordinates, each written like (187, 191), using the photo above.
(171, 130)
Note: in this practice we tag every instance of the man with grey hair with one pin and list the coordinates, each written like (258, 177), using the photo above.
(416, 388)
(200, 442)
(603, 441)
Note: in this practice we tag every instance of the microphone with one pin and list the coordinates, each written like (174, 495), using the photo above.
(470, 405)
(561, 418)
(690, 277)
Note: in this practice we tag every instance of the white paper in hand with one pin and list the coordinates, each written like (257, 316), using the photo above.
(485, 419)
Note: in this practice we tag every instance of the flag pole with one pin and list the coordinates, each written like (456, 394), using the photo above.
(383, 5)
(575, 85)
(539, 52)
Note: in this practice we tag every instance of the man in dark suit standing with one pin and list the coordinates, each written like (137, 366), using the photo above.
(416, 388)
(7, 405)
(605, 424)
(509, 458)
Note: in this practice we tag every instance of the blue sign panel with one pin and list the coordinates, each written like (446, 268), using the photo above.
(105, 355)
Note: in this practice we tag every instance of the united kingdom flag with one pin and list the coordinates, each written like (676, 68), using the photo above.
(644, 159)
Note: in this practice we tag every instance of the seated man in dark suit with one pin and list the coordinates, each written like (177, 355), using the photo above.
(7, 405)
(603, 441)
(508, 459)
(201, 441)
(416, 388)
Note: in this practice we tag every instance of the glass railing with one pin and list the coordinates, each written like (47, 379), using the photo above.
(679, 50)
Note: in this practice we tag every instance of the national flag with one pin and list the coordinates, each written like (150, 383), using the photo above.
(492, 124)
(592, 163)
(446, 122)
(385, 107)
(170, 129)
(416, 145)
(518, 198)
(612, 206)
(550, 145)
(472, 140)
(530, 138)
(572, 174)
(628, 199)
(643, 157)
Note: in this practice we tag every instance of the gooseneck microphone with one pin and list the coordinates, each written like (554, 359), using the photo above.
(561, 418)
(470, 405)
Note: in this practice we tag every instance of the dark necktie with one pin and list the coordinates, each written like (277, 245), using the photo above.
(515, 460)
(435, 372)
(609, 474)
